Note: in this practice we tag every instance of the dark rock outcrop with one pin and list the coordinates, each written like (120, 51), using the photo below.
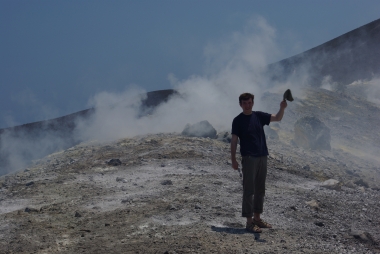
(153, 99)
(114, 162)
(312, 133)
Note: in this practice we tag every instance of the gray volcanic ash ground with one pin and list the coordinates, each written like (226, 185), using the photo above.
(166, 193)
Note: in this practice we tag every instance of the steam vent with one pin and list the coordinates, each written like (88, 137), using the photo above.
(312, 133)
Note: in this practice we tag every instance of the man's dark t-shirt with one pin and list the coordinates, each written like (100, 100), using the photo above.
(249, 129)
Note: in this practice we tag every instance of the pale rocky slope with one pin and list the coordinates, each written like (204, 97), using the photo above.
(175, 194)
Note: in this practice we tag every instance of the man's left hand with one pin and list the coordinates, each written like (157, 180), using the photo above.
(283, 104)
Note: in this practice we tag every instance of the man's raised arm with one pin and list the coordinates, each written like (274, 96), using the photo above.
(278, 117)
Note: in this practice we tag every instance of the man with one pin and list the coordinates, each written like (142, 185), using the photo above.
(248, 128)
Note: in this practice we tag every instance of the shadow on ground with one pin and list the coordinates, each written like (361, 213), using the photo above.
(236, 231)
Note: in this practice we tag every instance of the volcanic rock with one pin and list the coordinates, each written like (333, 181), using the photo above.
(319, 224)
(201, 129)
(362, 236)
(114, 162)
(29, 184)
(332, 184)
(31, 210)
(313, 204)
(120, 179)
(167, 182)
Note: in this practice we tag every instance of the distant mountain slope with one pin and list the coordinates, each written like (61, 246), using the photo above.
(67, 123)
(35, 140)
(352, 56)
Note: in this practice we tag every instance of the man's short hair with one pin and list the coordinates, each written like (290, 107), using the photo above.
(245, 97)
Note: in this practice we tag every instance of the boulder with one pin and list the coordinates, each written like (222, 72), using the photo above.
(121, 179)
(167, 182)
(362, 236)
(202, 129)
(31, 210)
(114, 162)
(313, 204)
(332, 184)
(312, 133)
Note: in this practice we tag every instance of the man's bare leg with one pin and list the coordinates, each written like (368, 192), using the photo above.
(256, 217)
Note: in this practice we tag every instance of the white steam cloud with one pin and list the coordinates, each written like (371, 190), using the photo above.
(373, 91)
(328, 84)
(116, 115)
(18, 150)
(366, 89)
(232, 67)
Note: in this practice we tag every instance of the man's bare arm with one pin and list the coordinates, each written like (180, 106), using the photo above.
(234, 141)
(278, 117)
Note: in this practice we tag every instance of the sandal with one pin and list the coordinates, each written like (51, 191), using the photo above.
(253, 228)
(262, 224)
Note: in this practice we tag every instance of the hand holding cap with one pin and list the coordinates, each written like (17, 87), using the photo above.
(288, 95)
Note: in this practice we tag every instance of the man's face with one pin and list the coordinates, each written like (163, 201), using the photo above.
(247, 105)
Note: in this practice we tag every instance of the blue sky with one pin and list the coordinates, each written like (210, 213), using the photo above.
(56, 55)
